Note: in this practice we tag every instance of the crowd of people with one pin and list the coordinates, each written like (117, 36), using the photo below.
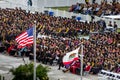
(101, 50)
(104, 8)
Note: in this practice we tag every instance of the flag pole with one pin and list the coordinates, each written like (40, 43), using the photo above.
(81, 56)
(34, 32)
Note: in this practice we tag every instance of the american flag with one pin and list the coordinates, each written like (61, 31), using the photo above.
(25, 38)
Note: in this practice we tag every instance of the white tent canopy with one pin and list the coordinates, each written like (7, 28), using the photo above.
(113, 16)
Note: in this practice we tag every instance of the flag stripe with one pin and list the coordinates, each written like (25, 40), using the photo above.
(69, 62)
(25, 38)
(21, 37)
(26, 41)
(23, 44)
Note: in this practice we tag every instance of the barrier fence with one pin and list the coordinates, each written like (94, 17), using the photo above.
(107, 75)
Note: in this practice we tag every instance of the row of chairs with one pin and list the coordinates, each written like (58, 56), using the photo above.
(108, 75)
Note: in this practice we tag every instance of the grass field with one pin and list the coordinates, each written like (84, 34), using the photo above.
(118, 30)
(64, 8)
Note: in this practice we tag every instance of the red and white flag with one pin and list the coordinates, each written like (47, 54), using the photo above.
(70, 57)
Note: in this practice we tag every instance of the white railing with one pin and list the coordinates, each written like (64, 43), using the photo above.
(107, 20)
(68, 14)
(107, 75)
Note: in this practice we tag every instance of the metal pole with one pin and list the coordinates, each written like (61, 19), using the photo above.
(34, 32)
(112, 21)
(81, 56)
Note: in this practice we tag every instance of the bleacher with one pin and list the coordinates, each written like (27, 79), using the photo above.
(41, 8)
(103, 75)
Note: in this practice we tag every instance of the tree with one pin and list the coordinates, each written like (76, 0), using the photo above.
(25, 72)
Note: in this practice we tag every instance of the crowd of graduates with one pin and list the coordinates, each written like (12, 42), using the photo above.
(101, 50)
(104, 8)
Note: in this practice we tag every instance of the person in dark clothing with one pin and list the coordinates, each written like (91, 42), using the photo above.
(48, 55)
(60, 62)
(115, 26)
(52, 58)
(93, 1)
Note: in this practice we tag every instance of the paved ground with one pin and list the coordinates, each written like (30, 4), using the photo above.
(58, 74)
(8, 62)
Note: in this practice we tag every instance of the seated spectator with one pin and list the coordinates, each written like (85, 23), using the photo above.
(87, 68)
(12, 50)
(22, 51)
(110, 24)
(115, 26)
(87, 1)
(97, 9)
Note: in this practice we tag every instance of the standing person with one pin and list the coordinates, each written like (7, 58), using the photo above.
(93, 1)
(115, 26)
(29, 2)
(114, 1)
(60, 62)
(110, 24)
(86, 1)
(92, 18)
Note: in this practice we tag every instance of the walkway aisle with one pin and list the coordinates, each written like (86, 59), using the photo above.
(8, 62)
(56, 74)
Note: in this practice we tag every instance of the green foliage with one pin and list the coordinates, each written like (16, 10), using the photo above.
(118, 30)
(42, 72)
(25, 72)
